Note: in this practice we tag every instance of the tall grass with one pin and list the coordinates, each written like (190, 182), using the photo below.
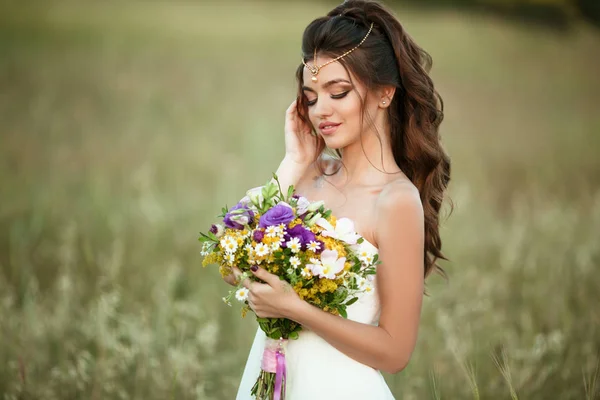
(126, 126)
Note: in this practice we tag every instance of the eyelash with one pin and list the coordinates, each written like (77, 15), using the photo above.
(333, 96)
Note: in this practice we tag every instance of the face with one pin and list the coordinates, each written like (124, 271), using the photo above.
(335, 105)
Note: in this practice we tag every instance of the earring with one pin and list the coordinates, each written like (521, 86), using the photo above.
(383, 102)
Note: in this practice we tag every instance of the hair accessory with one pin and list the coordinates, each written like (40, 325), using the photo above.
(314, 70)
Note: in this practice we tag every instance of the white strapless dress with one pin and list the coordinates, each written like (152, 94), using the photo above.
(318, 371)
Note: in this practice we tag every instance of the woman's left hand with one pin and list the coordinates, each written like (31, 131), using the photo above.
(273, 299)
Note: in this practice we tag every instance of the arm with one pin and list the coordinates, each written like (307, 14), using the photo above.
(388, 347)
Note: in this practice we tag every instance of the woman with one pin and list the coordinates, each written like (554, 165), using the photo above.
(364, 92)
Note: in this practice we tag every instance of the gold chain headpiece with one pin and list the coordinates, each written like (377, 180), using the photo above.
(314, 70)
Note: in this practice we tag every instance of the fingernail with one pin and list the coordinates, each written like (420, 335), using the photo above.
(254, 268)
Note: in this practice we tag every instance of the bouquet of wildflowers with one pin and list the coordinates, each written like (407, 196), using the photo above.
(322, 258)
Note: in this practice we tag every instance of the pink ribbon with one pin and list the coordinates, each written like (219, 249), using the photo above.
(273, 361)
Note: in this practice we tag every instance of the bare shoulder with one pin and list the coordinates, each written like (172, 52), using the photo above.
(400, 194)
(399, 207)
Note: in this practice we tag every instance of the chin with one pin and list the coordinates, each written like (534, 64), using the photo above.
(336, 143)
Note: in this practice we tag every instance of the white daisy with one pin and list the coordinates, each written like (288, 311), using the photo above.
(275, 246)
(306, 272)
(294, 245)
(241, 294)
(271, 231)
(229, 244)
(261, 249)
(362, 283)
(295, 261)
(230, 258)
(314, 246)
(366, 259)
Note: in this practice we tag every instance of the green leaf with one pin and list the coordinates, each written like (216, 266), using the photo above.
(275, 334)
(342, 311)
(265, 193)
(293, 335)
(352, 301)
(213, 237)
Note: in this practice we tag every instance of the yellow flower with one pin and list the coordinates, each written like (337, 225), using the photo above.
(325, 286)
(212, 258)
(245, 310)
(333, 244)
(316, 229)
(332, 220)
(295, 222)
(225, 270)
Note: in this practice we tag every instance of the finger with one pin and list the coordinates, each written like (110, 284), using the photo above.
(291, 109)
(236, 274)
(265, 276)
(247, 283)
(292, 106)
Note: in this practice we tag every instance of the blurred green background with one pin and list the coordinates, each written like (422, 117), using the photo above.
(125, 126)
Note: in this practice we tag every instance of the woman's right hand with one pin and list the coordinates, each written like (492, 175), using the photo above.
(300, 144)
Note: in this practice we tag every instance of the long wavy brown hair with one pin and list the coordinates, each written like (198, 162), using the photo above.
(390, 57)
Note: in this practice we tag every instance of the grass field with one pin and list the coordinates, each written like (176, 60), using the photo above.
(125, 127)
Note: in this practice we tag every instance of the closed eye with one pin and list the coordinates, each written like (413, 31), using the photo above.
(333, 96)
(341, 95)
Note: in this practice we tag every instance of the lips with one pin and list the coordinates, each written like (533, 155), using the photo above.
(328, 128)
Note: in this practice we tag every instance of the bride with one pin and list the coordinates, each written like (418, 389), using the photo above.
(364, 93)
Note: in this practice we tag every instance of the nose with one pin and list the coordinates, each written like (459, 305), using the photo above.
(323, 108)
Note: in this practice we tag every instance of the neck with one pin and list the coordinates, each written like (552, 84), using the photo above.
(370, 159)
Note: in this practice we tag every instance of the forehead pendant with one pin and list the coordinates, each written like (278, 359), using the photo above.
(314, 69)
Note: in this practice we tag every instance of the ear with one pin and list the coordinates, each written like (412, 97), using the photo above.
(386, 96)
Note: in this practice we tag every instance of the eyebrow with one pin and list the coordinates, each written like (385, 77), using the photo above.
(327, 84)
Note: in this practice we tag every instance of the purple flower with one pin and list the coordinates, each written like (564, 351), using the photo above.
(258, 236)
(214, 229)
(280, 214)
(304, 235)
(237, 219)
